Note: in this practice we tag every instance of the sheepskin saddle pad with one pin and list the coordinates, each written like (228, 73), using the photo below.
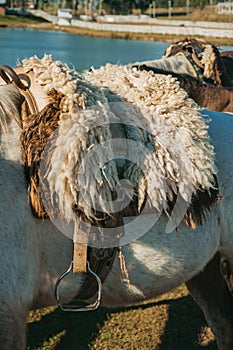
(200, 53)
(110, 125)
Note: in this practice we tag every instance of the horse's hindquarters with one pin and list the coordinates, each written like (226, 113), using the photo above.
(159, 261)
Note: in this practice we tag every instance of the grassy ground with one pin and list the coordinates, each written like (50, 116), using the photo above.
(128, 36)
(20, 21)
(170, 322)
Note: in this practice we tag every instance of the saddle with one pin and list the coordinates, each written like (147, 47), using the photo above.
(96, 263)
(204, 58)
(73, 121)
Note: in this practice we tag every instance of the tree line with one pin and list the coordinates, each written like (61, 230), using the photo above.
(127, 6)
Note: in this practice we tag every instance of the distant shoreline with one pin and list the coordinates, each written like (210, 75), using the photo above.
(117, 35)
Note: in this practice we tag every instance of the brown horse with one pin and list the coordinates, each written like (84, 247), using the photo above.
(227, 58)
(204, 58)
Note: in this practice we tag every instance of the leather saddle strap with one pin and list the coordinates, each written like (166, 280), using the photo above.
(30, 99)
(101, 261)
(10, 76)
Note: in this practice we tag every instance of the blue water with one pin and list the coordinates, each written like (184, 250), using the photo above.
(81, 51)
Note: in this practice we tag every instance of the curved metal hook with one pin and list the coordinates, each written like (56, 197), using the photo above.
(74, 308)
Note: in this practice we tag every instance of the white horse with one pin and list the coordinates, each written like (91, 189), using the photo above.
(34, 252)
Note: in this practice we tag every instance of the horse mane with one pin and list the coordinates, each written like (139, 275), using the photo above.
(10, 102)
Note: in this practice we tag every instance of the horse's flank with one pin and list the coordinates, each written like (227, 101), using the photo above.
(34, 252)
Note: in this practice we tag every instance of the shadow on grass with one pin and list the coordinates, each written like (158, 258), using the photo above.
(181, 332)
(80, 329)
(183, 326)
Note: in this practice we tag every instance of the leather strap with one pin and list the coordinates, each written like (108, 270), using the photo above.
(80, 258)
(101, 261)
(11, 77)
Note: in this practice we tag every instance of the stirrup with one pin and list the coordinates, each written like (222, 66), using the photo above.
(67, 307)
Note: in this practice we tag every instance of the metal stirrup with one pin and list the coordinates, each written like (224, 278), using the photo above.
(68, 307)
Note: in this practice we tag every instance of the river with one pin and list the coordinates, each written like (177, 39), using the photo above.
(80, 51)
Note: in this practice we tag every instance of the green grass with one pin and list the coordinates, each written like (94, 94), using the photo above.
(13, 20)
(170, 322)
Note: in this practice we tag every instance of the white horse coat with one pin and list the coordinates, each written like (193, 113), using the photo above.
(221, 131)
(34, 253)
